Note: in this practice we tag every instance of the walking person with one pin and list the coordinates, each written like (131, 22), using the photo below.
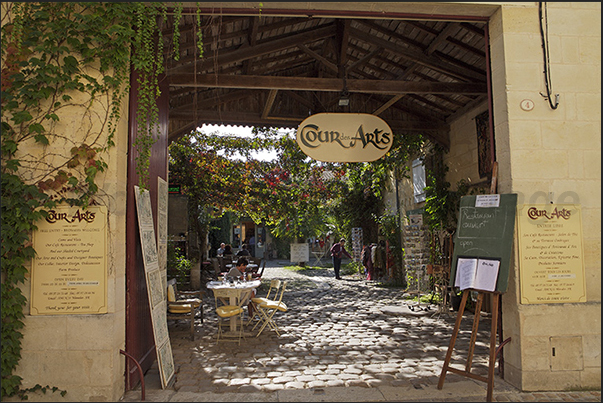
(337, 252)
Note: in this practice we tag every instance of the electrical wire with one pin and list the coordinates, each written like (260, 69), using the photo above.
(544, 35)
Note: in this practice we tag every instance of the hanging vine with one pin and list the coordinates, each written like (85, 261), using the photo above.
(60, 61)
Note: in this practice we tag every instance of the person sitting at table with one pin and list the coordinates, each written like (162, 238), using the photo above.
(244, 251)
(220, 250)
(242, 268)
(235, 274)
(228, 250)
(239, 270)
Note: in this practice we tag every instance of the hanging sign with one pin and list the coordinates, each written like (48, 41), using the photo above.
(344, 137)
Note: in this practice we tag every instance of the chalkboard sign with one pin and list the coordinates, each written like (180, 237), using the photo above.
(485, 230)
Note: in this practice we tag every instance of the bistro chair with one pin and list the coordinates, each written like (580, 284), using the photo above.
(268, 308)
(275, 285)
(180, 305)
(225, 314)
(258, 275)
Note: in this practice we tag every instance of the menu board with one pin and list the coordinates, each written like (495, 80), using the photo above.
(551, 262)
(485, 230)
(69, 271)
(300, 252)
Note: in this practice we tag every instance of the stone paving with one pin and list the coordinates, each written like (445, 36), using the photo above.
(341, 340)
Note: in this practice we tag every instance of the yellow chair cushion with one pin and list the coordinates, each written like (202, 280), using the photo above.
(274, 305)
(259, 300)
(227, 311)
(180, 308)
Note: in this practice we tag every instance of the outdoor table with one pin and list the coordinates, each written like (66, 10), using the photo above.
(236, 293)
(318, 256)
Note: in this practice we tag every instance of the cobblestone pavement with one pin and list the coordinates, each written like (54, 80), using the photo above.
(341, 340)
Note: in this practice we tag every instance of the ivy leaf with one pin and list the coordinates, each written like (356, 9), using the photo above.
(22, 116)
(36, 127)
(12, 164)
(9, 146)
(42, 139)
(70, 65)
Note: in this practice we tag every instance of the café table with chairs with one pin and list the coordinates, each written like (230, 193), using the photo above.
(231, 297)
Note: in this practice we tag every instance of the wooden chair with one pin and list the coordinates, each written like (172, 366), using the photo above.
(183, 305)
(268, 308)
(275, 285)
(227, 312)
(215, 261)
(258, 275)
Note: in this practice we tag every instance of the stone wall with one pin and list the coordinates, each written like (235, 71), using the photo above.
(546, 152)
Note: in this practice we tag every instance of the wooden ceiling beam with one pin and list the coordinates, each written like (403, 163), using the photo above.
(327, 63)
(212, 101)
(271, 46)
(441, 38)
(363, 60)
(269, 103)
(300, 99)
(432, 62)
(250, 118)
(325, 84)
(343, 39)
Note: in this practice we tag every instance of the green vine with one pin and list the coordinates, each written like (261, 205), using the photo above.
(441, 203)
(61, 60)
(199, 31)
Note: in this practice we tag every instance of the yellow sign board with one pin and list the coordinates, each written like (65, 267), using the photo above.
(69, 272)
(344, 137)
(550, 254)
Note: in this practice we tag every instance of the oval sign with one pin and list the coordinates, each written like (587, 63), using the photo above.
(344, 137)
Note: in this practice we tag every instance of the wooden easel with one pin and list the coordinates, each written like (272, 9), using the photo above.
(467, 372)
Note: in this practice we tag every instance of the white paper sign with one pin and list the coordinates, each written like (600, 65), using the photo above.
(300, 252)
(478, 274)
(487, 200)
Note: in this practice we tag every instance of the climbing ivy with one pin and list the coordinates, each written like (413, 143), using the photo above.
(61, 60)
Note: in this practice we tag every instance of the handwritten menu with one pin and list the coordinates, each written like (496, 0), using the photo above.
(300, 252)
(69, 271)
(550, 251)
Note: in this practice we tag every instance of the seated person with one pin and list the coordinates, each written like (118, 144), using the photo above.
(237, 272)
(227, 250)
(242, 264)
(244, 251)
(233, 274)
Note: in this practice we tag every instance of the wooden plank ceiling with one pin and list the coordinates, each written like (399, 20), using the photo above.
(417, 75)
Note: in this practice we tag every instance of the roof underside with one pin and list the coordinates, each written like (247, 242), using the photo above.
(417, 75)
